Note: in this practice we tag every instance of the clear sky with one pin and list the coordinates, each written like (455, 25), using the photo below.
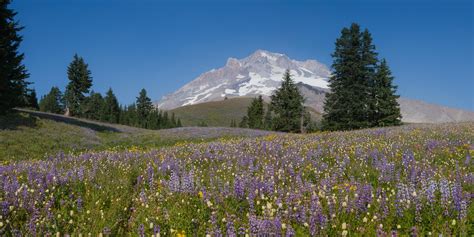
(161, 45)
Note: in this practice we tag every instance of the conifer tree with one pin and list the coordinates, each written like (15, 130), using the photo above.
(144, 107)
(52, 102)
(244, 123)
(387, 109)
(255, 113)
(80, 81)
(287, 105)
(111, 109)
(32, 99)
(267, 121)
(360, 89)
(179, 123)
(13, 74)
(347, 104)
(92, 106)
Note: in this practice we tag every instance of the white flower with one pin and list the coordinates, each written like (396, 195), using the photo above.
(1, 224)
(364, 220)
(344, 233)
(453, 222)
(344, 225)
(283, 226)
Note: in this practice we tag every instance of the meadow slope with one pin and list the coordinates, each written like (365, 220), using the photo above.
(409, 180)
(36, 135)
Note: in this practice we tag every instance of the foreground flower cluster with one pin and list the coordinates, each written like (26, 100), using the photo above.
(416, 180)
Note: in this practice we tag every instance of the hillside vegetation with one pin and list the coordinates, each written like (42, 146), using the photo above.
(35, 135)
(220, 113)
(406, 181)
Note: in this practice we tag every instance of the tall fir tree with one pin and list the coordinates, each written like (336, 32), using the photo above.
(255, 113)
(347, 105)
(80, 81)
(144, 106)
(386, 110)
(52, 102)
(287, 105)
(13, 74)
(111, 108)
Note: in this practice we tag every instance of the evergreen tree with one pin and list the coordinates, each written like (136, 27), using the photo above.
(32, 100)
(362, 94)
(13, 74)
(255, 113)
(267, 121)
(52, 102)
(173, 120)
(347, 106)
(287, 105)
(244, 123)
(386, 108)
(144, 107)
(179, 123)
(80, 81)
(92, 106)
(111, 109)
(165, 121)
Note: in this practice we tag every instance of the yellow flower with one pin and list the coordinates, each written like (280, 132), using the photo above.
(200, 194)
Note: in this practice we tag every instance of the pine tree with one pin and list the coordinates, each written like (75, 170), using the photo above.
(144, 107)
(267, 121)
(255, 113)
(92, 106)
(80, 81)
(362, 94)
(13, 74)
(347, 106)
(244, 123)
(387, 109)
(179, 123)
(111, 109)
(32, 100)
(52, 102)
(173, 120)
(287, 105)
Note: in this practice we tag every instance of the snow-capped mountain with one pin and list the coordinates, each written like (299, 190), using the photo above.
(258, 74)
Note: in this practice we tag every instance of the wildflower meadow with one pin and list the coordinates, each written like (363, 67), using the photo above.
(415, 180)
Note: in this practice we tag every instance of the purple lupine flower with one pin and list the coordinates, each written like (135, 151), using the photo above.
(141, 230)
(290, 232)
(230, 229)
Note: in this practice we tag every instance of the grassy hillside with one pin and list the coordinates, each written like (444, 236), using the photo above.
(35, 135)
(219, 113)
(413, 180)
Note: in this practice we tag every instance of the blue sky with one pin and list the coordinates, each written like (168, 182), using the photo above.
(161, 45)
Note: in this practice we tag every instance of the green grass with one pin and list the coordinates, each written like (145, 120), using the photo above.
(34, 135)
(24, 136)
(220, 113)
(215, 113)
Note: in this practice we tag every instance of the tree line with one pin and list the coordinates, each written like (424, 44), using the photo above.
(362, 93)
(78, 100)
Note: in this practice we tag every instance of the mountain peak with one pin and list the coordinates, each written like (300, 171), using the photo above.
(257, 74)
